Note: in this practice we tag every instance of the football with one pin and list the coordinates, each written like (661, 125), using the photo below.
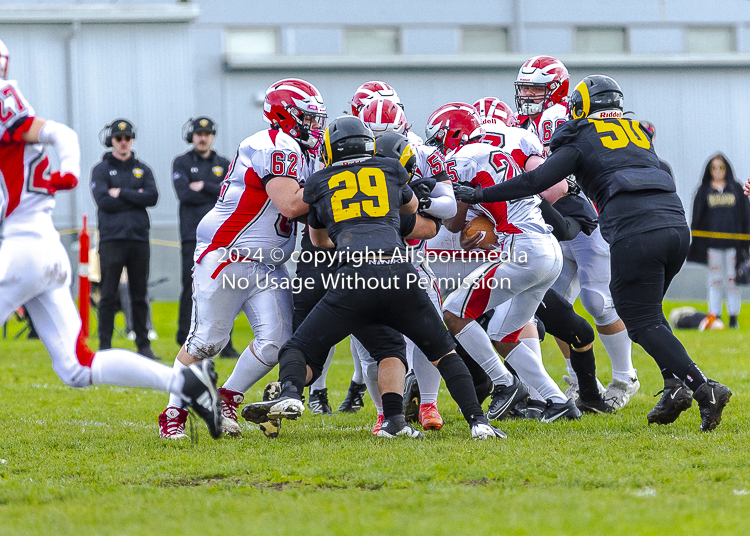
(482, 224)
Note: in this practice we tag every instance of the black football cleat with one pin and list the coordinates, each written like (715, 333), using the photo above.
(355, 398)
(711, 397)
(411, 397)
(318, 402)
(598, 405)
(201, 394)
(560, 410)
(675, 398)
(505, 398)
(535, 409)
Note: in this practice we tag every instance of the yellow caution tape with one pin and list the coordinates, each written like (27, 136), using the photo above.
(155, 241)
(725, 236)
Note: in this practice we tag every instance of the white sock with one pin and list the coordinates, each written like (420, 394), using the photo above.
(174, 400)
(247, 371)
(571, 372)
(534, 394)
(374, 390)
(619, 347)
(534, 344)
(410, 347)
(357, 376)
(530, 369)
(478, 345)
(428, 378)
(128, 369)
(320, 383)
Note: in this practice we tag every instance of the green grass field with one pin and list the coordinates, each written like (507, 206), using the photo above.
(90, 462)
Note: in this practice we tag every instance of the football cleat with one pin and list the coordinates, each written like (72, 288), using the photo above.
(429, 417)
(411, 398)
(230, 401)
(675, 398)
(355, 398)
(560, 410)
(505, 398)
(481, 429)
(200, 393)
(572, 390)
(711, 397)
(318, 402)
(172, 423)
(535, 409)
(378, 425)
(269, 427)
(711, 322)
(598, 405)
(619, 393)
(285, 407)
(397, 426)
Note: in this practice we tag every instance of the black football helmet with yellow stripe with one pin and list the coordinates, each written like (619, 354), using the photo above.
(346, 138)
(594, 94)
(395, 145)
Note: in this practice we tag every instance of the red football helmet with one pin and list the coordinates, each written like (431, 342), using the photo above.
(296, 108)
(543, 72)
(383, 115)
(491, 109)
(453, 125)
(4, 60)
(372, 90)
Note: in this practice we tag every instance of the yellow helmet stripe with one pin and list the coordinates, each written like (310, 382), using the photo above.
(406, 155)
(583, 89)
(327, 152)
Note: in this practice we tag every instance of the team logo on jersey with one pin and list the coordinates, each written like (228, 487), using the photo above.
(138, 172)
(218, 171)
(193, 170)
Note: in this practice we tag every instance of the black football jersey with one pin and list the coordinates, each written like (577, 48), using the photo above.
(359, 204)
(615, 156)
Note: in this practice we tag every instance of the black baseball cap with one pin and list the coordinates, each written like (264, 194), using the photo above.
(203, 124)
(122, 127)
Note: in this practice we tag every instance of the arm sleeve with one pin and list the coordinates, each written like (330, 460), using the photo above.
(100, 193)
(443, 201)
(148, 197)
(181, 184)
(563, 228)
(65, 141)
(406, 194)
(559, 165)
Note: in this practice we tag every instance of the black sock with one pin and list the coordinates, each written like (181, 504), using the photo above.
(693, 377)
(292, 372)
(665, 348)
(393, 404)
(460, 385)
(666, 374)
(584, 365)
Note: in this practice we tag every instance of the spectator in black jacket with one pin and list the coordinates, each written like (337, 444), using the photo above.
(123, 187)
(197, 177)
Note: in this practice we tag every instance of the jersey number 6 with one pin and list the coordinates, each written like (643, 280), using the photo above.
(361, 182)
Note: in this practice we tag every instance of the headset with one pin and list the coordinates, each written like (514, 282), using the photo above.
(189, 128)
(106, 135)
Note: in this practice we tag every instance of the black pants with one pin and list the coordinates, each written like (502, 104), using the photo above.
(643, 267)
(186, 296)
(377, 316)
(114, 255)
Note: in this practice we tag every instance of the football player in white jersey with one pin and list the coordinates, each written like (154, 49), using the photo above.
(35, 269)
(243, 243)
(541, 90)
(517, 274)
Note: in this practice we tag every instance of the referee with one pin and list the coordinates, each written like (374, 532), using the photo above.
(642, 219)
(196, 177)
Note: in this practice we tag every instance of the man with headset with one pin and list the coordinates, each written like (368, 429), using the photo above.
(123, 187)
(196, 177)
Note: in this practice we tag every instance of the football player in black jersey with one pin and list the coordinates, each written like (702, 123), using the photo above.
(642, 219)
(354, 206)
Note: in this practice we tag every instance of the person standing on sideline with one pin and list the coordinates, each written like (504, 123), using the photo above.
(196, 177)
(720, 207)
(123, 187)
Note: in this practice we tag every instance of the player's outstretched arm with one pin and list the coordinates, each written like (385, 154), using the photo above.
(286, 194)
(65, 141)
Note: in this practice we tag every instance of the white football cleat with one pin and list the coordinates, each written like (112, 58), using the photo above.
(481, 431)
(619, 393)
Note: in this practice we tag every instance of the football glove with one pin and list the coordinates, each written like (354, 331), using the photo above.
(64, 181)
(468, 193)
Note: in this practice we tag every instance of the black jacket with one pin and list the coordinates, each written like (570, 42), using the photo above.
(740, 222)
(190, 167)
(123, 217)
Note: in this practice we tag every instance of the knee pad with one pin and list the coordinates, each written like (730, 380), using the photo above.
(599, 305)
(267, 352)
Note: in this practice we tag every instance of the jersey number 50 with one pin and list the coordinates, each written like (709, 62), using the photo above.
(617, 137)
(361, 182)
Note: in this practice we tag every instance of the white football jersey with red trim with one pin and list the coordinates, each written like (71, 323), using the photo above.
(485, 165)
(545, 124)
(24, 169)
(519, 142)
(430, 162)
(244, 221)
